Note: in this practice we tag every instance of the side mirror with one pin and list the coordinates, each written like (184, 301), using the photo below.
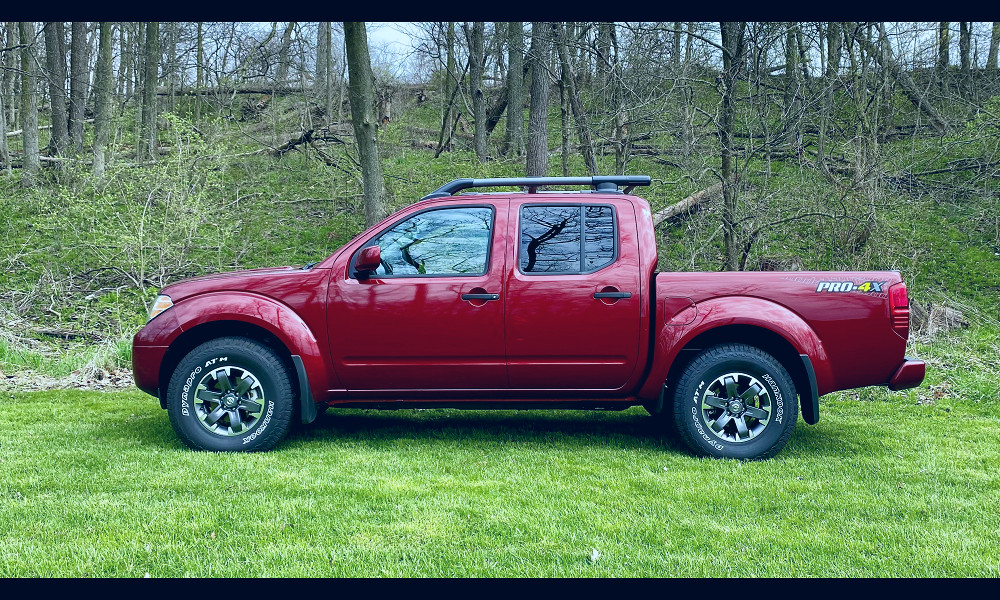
(369, 260)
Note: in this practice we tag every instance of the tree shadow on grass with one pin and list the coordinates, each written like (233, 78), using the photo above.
(632, 429)
(629, 429)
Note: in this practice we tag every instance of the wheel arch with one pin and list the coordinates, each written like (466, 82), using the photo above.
(798, 365)
(189, 339)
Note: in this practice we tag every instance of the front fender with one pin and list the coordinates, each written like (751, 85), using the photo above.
(267, 313)
(671, 338)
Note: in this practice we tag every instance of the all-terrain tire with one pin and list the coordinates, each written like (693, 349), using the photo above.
(231, 394)
(735, 401)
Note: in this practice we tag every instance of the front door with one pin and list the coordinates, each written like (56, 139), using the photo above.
(431, 317)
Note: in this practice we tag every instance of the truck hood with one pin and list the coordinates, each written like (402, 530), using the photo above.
(247, 280)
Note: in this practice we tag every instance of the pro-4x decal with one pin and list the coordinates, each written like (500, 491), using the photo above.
(867, 287)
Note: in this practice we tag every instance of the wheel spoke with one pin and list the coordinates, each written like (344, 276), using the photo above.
(730, 388)
(741, 428)
(251, 406)
(213, 417)
(721, 422)
(715, 401)
(749, 395)
(208, 396)
(223, 378)
(757, 413)
(235, 422)
(245, 383)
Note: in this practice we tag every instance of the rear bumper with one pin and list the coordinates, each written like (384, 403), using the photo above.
(908, 375)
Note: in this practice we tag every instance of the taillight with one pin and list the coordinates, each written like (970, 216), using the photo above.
(899, 309)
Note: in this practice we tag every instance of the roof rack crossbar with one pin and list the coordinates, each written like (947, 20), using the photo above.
(601, 183)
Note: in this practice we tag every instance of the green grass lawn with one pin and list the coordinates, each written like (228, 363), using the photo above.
(97, 484)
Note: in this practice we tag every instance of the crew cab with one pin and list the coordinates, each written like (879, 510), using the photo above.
(532, 299)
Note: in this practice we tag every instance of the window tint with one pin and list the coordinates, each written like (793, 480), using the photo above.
(550, 238)
(452, 241)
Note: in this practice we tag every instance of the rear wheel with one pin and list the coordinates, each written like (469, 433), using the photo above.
(231, 394)
(735, 401)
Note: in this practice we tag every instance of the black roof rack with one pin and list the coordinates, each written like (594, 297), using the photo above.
(601, 183)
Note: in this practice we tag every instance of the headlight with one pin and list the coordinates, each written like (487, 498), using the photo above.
(161, 304)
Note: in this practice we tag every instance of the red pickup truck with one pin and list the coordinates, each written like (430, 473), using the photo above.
(519, 300)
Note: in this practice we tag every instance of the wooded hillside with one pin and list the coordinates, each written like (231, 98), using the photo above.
(135, 154)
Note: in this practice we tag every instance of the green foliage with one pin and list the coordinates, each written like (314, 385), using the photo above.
(83, 254)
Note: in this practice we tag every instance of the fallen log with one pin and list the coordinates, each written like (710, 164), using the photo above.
(688, 205)
(20, 131)
(306, 137)
(245, 89)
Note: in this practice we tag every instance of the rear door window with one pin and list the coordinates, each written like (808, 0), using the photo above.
(566, 239)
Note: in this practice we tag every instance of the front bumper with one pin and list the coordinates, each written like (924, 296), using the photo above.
(149, 346)
(146, 367)
(908, 375)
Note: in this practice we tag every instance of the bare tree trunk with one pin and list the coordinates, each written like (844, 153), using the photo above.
(732, 57)
(56, 66)
(675, 55)
(123, 65)
(537, 159)
(579, 113)
(149, 112)
(564, 121)
(343, 86)
(322, 66)
(833, 51)
(964, 46)
(944, 47)
(102, 104)
(10, 60)
(171, 67)
(991, 60)
(281, 76)
(476, 64)
(603, 52)
(451, 89)
(515, 89)
(689, 43)
(79, 80)
(793, 85)
(328, 83)
(4, 150)
(29, 105)
(361, 92)
(199, 78)
(139, 54)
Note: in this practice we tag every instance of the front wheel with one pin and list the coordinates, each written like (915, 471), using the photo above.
(231, 394)
(735, 401)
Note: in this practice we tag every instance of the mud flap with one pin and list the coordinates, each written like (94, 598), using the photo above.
(809, 399)
(308, 407)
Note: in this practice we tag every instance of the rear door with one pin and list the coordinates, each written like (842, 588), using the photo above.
(573, 305)
(431, 317)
